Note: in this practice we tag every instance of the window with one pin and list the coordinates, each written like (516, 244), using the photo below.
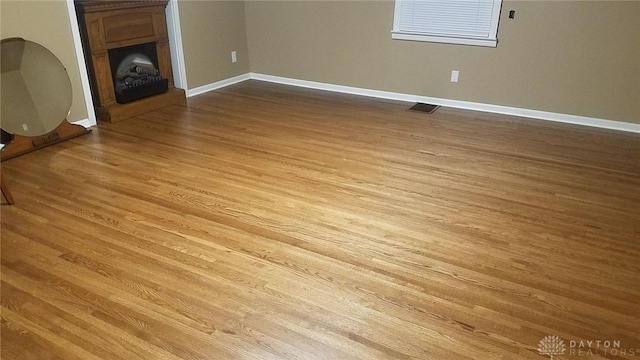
(470, 22)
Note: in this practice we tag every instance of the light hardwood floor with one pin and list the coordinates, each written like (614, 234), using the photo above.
(263, 221)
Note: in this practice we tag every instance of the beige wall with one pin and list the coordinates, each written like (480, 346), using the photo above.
(46, 23)
(210, 31)
(570, 57)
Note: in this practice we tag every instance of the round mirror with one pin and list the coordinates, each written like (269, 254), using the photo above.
(35, 93)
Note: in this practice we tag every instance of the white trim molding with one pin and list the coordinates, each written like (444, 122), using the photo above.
(175, 44)
(84, 122)
(444, 40)
(498, 109)
(217, 85)
(82, 67)
(458, 104)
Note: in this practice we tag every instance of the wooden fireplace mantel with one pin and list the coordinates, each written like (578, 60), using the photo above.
(106, 25)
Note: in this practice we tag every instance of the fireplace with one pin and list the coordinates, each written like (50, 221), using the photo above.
(127, 50)
(135, 73)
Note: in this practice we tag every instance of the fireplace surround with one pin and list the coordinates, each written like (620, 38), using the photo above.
(110, 32)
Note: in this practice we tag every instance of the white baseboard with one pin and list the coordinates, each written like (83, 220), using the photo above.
(85, 122)
(458, 104)
(217, 85)
(498, 109)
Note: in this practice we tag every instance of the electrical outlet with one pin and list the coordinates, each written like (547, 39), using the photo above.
(454, 75)
(234, 57)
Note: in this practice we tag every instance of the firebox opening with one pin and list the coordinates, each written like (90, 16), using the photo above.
(135, 72)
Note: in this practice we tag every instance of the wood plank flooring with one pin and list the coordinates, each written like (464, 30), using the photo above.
(262, 221)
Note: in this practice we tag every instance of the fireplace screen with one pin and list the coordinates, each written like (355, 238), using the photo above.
(135, 72)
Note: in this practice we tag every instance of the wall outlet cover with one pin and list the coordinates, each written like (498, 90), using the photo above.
(454, 75)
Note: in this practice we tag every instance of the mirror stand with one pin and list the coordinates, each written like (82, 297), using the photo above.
(23, 144)
(36, 97)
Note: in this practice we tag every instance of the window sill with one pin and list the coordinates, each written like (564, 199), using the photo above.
(444, 39)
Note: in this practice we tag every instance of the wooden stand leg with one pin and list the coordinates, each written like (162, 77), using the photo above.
(22, 144)
(5, 190)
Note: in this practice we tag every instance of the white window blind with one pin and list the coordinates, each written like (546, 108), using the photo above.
(471, 22)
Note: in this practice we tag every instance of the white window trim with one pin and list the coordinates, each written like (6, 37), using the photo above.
(491, 41)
